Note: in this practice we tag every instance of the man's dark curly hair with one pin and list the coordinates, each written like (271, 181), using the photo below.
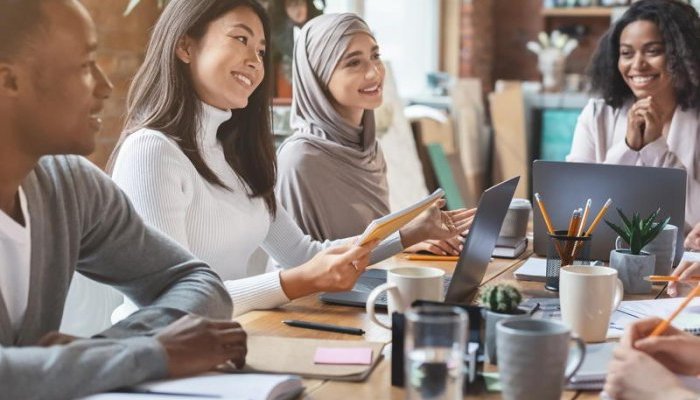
(679, 26)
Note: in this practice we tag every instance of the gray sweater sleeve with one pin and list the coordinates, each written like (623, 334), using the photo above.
(80, 368)
(119, 249)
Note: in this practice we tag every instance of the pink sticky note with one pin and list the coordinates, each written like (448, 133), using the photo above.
(343, 355)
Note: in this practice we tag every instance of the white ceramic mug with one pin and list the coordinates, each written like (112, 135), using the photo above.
(404, 285)
(588, 296)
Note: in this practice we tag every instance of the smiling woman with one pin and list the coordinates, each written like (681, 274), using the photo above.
(647, 70)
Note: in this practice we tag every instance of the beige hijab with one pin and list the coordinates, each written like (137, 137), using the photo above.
(332, 174)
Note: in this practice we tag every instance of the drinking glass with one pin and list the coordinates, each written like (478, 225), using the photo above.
(435, 352)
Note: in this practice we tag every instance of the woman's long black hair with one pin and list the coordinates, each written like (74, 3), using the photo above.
(679, 26)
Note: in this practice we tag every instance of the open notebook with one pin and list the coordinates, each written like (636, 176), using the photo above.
(381, 228)
(688, 319)
(213, 385)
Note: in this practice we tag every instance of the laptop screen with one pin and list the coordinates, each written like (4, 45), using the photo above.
(480, 242)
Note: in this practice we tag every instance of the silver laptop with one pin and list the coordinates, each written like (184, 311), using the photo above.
(473, 260)
(564, 186)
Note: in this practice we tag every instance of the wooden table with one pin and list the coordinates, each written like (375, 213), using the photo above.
(378, 385)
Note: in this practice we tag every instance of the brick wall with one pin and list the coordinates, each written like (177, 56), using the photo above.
(122, 45)
(476, 44)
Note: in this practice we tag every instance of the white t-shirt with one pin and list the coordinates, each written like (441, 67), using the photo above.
(15, 257)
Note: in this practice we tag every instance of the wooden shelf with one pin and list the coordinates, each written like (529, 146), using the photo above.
(577, 12)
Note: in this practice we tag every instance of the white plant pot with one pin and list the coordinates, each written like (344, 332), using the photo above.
(632, 269)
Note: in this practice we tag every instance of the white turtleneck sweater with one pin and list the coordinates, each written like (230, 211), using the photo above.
(222, 227)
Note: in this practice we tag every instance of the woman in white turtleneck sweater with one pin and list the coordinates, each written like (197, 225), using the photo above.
(197, 160)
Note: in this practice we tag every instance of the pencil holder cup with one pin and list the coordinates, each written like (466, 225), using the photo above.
(565, 250)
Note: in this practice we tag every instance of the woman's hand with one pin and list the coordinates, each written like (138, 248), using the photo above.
(684, 270)
(692, 241)
(675, 349)
(645, 123)
(437, 225)
(440, 247)
(630, 377)
(332, 270)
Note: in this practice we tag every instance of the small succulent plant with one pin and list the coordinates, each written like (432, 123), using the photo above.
(501, 297)
(638, 232)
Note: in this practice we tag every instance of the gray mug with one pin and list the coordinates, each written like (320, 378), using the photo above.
(532, 358)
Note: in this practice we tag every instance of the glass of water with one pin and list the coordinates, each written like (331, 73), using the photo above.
(435, 341)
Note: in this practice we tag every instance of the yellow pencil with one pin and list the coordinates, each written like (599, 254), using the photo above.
(669, 278)
(545, 215)
(430, 257)
(663, 325)
(598, 217)
(584, 218)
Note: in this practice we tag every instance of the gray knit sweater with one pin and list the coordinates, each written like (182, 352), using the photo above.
(81, 221)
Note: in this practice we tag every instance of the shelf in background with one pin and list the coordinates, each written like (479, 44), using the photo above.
(577, 12)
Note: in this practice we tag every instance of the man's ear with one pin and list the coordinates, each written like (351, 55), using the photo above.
(9, 85)
(183, 50)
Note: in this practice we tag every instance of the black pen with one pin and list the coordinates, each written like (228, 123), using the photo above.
(324, 327)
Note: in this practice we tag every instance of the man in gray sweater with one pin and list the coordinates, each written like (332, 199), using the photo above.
(59, 214)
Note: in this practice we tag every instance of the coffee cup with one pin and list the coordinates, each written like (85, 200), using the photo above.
(588, 296)
(404, 285)
(516, 219)
(533, 358)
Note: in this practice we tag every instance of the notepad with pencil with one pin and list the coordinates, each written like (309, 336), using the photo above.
(381, 228)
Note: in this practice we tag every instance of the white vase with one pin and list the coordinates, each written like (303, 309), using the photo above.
(632, 269)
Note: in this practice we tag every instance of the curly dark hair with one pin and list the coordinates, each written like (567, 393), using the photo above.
(679, 26)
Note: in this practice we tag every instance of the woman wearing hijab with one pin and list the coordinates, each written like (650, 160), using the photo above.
(197, 159)
(332, 173)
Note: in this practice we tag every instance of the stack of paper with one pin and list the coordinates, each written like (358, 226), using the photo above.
(591, 375)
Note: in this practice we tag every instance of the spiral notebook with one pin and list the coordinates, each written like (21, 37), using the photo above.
(688, 319)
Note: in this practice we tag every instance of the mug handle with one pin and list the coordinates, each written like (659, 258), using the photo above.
(619, 293)
(372, 299)
(579, 359)
(619, 244)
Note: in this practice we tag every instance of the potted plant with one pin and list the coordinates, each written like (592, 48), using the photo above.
(633, 264)
(500, 301)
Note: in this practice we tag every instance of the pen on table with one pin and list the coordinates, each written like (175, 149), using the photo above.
(430, 257)
(670, 278)
(663, 325)
(324, 327)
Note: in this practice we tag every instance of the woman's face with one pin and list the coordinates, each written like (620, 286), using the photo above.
(357, 81)
(642, 60)
(226, 64)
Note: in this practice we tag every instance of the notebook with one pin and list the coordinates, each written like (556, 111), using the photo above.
(214, 385)
(534, 269)
(285, 355)
(381, 228)
(688, 319)
(592, 373)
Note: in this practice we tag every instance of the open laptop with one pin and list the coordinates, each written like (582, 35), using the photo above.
(564, 186)
(473, 260)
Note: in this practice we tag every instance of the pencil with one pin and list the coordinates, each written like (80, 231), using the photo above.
(584, 217)
(598, 217)
(545, 215)
(663, 325)
(670, 278)
(430, 257)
